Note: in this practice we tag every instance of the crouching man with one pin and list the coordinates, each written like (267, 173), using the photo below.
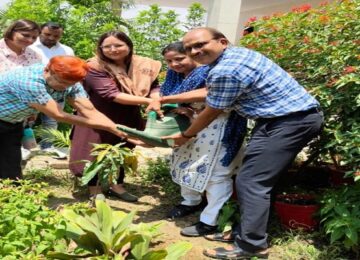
(39, 88)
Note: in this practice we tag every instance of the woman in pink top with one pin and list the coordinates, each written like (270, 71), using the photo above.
(13, 47)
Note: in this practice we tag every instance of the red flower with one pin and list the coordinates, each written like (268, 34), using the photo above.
(349, 69)
(252, 19)
(302, 9)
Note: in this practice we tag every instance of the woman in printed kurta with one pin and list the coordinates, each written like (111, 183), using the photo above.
(207, 162)
(118, 83)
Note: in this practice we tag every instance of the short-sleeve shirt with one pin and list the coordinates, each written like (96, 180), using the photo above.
(10, 60)
(254, 86)
(47, 53)
(23, 86)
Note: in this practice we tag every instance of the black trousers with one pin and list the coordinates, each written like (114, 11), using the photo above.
(10, 150)
(273, 145)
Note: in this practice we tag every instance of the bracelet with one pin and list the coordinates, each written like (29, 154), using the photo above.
(186, 136)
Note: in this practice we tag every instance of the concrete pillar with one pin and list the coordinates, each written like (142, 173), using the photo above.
(225, 16)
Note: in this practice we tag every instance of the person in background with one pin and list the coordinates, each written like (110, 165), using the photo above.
(117, 84)
(47, 46)
(15, 53)
(247, 30)
(287, 118)
(39, 88)
(208, 161)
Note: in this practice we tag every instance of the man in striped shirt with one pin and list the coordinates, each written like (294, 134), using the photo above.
(287, 118)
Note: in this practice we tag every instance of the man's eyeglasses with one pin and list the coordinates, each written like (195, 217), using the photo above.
(109, 47)
(197, 46)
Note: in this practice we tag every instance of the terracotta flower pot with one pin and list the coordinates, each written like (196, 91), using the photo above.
(337, 176)
(296, 211)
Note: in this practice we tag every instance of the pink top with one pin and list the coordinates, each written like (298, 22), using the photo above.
(10, 60)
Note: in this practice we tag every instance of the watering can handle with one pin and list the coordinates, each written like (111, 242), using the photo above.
(152, 115)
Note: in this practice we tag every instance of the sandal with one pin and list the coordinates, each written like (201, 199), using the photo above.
(221, 237)
(235, 252)
(125, 196)
(180, 211)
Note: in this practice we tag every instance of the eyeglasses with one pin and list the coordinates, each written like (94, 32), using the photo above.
(197, 46)
(109, 47)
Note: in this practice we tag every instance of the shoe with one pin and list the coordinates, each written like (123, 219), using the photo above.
(198, 230)
(234, 252)
(125, 196)
(180, 211)
(54, 150)
(94, 197)
(221, 237)
(25, 154)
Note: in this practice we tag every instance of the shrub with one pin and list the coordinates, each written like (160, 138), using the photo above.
(27, 227)
(340, 216)
(321, 49)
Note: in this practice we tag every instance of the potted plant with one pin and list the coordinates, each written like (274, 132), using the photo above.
(296, 211)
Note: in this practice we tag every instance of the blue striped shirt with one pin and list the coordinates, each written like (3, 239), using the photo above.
(22, 86)
(254, 86)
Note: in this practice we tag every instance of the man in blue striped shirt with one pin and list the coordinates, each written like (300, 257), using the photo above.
(287, 118)
(38, 88)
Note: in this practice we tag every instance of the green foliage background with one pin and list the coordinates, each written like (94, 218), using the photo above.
(86, 20)
(320, 47)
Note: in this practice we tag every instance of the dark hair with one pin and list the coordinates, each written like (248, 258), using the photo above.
(22, 25)
(249, 29)
(52, 25)
(175, 46)
(122, 37)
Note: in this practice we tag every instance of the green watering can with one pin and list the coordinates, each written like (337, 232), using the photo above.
(156, 127)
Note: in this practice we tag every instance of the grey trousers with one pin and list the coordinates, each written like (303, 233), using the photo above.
(274, 144)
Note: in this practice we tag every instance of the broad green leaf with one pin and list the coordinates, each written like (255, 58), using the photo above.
(156, 255)
(177, 250)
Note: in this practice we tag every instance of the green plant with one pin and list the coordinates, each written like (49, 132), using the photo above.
(195, 17)
(340, 216)
(229, 216)
(152, 30)
(83, 21)
(56, 137)
(38, 174)
(320, 48)
(158, 172)
(28, 228)
(104, 232)
(107, 163)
